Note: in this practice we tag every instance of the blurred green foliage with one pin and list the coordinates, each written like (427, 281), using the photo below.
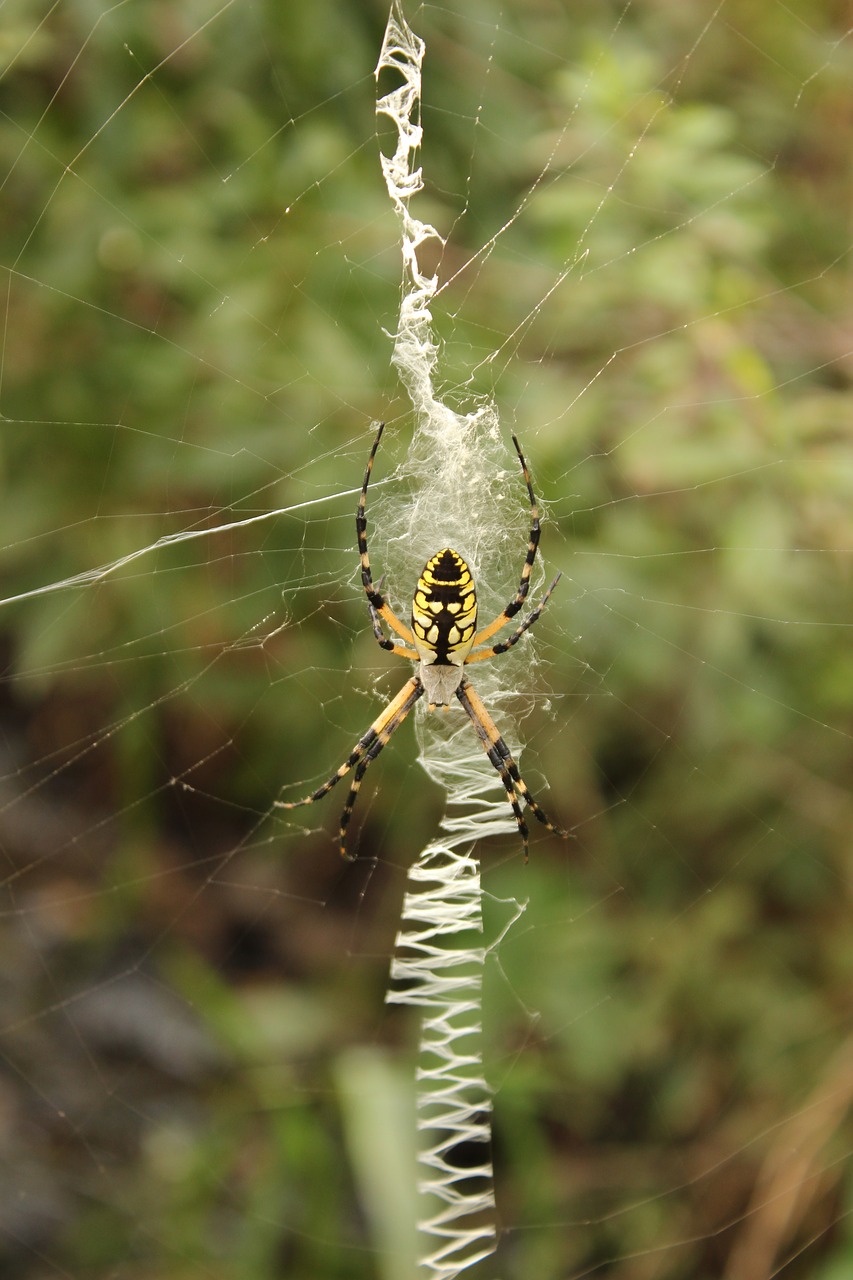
(200, 261)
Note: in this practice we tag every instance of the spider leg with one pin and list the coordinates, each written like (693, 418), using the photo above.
(524, 585)
(500, 756)
(519, 631)
(383, 641)
(374, 597)
(365, 750)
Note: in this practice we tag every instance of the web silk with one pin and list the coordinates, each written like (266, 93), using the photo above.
(459, 497)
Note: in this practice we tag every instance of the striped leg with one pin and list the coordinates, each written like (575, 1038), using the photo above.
(524, 585)
(518, 633)
(365, 750)
(375, 598)
(499, 754)
(383, 641)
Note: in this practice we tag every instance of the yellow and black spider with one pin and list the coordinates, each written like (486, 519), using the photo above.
(444, 639)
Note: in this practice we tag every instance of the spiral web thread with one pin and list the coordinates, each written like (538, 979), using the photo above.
(455, 462)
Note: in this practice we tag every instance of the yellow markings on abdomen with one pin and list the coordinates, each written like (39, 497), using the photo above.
(444, 610)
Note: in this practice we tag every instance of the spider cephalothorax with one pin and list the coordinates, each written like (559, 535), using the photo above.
(443, 640)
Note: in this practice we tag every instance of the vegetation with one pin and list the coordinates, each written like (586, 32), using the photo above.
(200, 265)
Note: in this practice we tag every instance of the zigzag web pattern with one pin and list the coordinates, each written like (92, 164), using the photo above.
(438, 965)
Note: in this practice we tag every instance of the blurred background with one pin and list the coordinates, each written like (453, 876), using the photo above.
(647, 211)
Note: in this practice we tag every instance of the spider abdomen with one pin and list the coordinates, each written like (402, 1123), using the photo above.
(444, 610)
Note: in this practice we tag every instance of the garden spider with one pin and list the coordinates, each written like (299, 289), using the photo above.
(443, 640)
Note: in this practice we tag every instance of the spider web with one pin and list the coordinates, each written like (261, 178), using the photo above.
(644, 212)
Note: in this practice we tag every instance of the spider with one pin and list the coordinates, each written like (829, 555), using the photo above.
(443, 640)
